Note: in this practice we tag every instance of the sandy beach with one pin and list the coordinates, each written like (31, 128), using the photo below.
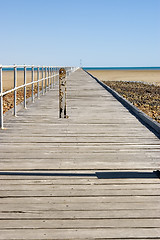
(147, 76)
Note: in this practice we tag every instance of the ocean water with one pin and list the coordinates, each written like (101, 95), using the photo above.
(89, 68)
(121, 68)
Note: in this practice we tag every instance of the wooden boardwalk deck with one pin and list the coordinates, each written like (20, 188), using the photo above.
(100, 135)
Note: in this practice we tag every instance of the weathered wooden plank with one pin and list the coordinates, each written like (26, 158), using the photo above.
(79, 223)
(80, 233)
(49, 206)
(100, 145)
(84, 186)
(96, 214)
(75, 192)
(122, 155)
(52, 180)
(75, 181)
(16, 140)
(72, 164)
(80, 199)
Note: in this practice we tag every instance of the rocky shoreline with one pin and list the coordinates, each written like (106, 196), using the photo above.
(8, 99)
(144, 96)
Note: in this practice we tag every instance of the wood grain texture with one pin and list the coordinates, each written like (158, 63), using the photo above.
(100, 135)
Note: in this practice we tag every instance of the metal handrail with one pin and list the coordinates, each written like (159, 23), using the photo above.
(27, 84)
(48, 70)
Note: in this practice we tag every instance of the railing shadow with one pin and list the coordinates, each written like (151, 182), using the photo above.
(99, 175)
(122, 175)
(47, 174)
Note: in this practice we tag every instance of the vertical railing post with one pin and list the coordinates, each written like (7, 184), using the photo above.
(54, 69)
(15, 91)
(1, 99)
(25, 105)
(56, 77)
(45, 79)
(58, 74)
(32, 84)
(42, 82)
(52, 77)
(38, 82)
(48, 78)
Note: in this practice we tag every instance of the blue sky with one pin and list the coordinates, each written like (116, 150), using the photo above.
(100, 32)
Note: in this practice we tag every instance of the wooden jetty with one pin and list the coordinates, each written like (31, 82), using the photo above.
(60, 178)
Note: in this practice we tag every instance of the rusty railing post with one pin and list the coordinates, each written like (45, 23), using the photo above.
(1, 99)
(62, 93)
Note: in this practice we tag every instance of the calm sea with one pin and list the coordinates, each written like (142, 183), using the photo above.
(91, 68)
(121, 68)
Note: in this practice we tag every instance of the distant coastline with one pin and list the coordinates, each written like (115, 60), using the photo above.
(120, 68)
